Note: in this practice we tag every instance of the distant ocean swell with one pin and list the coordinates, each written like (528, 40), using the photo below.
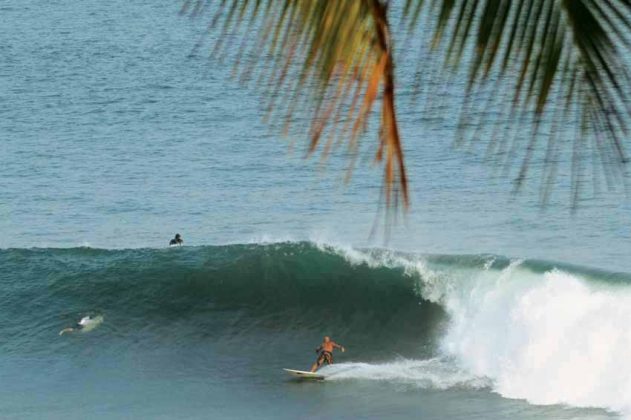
(544, 332)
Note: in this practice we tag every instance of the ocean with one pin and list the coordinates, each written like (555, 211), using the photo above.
(114, 137)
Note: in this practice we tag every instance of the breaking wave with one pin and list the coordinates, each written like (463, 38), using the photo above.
(544, 332)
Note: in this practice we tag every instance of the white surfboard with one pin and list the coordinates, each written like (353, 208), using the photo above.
(301, 374)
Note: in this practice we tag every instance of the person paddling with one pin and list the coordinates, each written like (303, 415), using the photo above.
(78, 327)
(325, 353)
(177, 240)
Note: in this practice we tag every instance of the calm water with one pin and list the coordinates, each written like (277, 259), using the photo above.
(112, 137)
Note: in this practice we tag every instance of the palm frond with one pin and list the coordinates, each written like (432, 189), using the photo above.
(534, 58)
(535, 66)
(330, 60)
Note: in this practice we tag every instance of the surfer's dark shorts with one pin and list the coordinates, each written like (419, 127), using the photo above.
(325, 356)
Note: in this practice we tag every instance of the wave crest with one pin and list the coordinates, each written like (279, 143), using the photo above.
(544, 332)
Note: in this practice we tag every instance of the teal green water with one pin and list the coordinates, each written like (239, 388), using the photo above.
(200, 332)
(113, 137)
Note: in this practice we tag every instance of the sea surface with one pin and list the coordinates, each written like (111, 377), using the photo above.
(115, 134)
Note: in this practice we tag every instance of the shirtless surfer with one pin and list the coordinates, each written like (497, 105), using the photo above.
(325, 353)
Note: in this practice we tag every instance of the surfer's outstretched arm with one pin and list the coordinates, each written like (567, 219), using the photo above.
(338, 346)
(66, 330)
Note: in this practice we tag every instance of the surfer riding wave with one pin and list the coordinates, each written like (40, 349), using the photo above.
(325, 353)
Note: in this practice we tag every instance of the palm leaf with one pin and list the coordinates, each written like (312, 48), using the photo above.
(330, 60)
(539, 56)
(544, 65)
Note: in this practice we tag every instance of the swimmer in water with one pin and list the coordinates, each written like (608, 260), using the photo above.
(177, 240)
(78, 327)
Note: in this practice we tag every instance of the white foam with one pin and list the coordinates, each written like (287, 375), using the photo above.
(430, 374)
(552, 338)
(549, 339)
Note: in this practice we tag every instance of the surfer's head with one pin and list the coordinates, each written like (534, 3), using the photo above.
(177, 236)
(326, 339)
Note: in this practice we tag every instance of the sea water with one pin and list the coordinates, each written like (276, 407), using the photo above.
(113, 137)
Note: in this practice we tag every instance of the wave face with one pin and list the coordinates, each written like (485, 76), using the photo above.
(547, 333)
